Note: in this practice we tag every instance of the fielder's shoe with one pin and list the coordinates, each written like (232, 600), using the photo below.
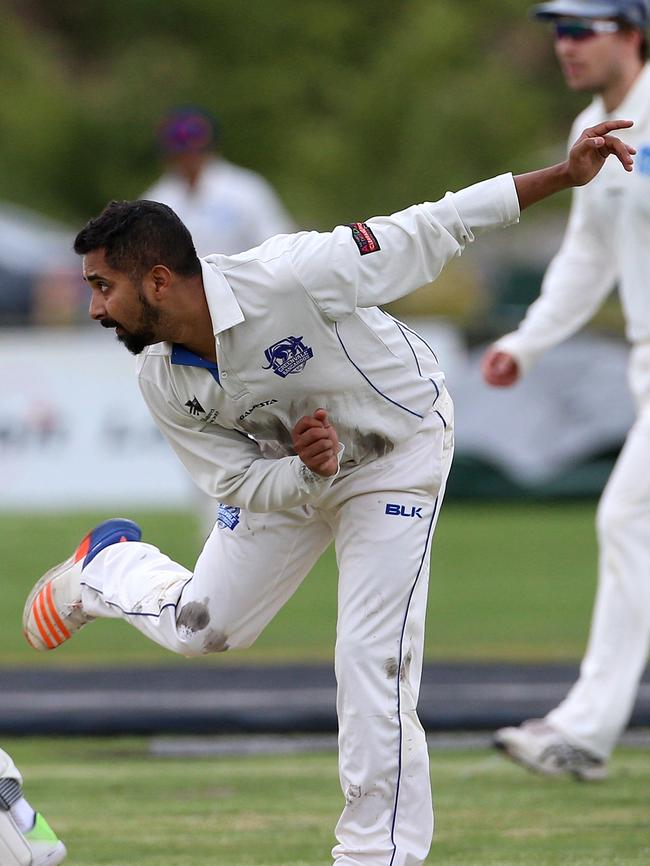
(53, 611)
(38, 847)
(540, 747)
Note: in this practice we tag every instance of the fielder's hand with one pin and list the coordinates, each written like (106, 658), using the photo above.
(499, 368)
(588, 154)
(316, 443)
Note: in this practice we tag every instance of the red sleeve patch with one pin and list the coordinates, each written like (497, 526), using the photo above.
(364, 238)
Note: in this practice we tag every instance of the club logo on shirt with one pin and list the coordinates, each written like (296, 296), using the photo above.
(228, 516)
(364, 238)
(288, 356)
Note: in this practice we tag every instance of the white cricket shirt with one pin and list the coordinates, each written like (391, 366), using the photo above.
(297, 328)
(607, 242)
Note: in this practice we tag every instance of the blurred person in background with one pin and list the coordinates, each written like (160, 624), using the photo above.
(39, 279)
(601, 46)
(26, 839)
(227, 208)
(254, 366)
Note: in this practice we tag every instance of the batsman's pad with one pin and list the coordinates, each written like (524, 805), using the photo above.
(8, 769)
(14, 850)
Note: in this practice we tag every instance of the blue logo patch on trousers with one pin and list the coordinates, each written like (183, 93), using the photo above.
(643, 160)
(228, 517)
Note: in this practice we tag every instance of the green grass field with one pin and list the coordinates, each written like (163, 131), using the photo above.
(114, 804)
(511, 582)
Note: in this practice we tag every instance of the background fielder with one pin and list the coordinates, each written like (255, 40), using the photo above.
(227, 208)
(240, 352)
(601, 47)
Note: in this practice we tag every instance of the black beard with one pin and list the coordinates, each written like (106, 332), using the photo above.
(137, 341)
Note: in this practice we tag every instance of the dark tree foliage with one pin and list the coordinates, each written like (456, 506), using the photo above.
(349, 108)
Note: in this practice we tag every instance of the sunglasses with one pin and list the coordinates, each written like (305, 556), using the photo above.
(580, 29)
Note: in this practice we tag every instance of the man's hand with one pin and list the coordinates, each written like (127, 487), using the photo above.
(588, 154)
(586, 158)
(316, 443)
(499, 368)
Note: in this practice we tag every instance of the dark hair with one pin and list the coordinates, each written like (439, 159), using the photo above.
(643, 44)
(137, 235)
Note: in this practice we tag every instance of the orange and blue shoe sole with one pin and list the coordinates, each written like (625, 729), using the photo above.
(112, 531)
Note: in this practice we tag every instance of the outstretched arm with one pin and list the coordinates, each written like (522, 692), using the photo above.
(386, 258)
(585, 160)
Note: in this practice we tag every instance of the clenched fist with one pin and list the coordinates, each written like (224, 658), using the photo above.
(316, 443)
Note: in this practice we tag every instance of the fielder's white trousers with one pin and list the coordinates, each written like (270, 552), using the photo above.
(598, 707)
(382, 518)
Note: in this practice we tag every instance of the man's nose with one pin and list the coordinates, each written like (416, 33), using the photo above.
(564, 44)
(97, 309)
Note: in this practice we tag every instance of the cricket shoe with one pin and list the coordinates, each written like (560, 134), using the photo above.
(40, 846)
(47, 849)
(540, 747)
(53, 610)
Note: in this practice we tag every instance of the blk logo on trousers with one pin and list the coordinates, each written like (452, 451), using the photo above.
(403, 510)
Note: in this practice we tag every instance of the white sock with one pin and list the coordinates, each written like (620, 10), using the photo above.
(23, 815)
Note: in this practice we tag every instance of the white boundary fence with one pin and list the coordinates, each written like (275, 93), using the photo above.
(74, 430)
(75, 433)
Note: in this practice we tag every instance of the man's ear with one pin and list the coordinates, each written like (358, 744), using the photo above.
(160, 279)
(634, 36)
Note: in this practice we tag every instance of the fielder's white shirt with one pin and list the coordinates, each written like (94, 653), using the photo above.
(607, 242)
(297, 327)
(230, 209)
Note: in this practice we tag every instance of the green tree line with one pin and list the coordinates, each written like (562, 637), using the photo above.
(349, 108)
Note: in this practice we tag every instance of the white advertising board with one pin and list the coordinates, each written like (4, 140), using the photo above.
(74, 430)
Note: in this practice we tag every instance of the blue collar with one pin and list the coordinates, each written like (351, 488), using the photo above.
(183, 356)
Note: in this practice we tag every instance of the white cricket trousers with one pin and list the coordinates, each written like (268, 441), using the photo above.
(598, 707)
(382, 518)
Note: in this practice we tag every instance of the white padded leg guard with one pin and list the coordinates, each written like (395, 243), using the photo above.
(8, 769)
(14, 850)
